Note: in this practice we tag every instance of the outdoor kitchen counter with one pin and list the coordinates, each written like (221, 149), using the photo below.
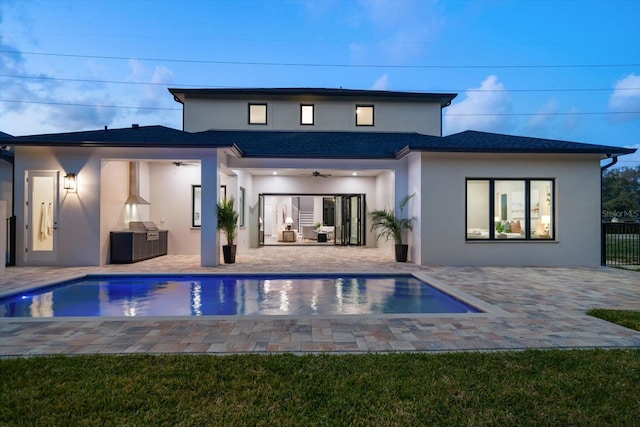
(134, 246)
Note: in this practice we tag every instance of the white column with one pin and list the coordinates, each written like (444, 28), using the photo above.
(209, 246)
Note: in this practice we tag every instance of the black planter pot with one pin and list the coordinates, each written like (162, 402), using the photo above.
(229, 253)
(402, 251)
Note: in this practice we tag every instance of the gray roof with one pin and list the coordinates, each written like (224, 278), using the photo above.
(5, 135)
(135, 136)
(472, 141)
(357, 94)
(294, 144)
(300, 145)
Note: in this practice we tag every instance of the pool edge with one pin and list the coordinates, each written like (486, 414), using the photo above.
(485, 308)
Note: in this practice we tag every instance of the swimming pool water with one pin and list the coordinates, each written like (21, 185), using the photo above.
(202, 295)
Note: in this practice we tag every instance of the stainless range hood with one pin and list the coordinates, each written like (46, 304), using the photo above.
(134, 186)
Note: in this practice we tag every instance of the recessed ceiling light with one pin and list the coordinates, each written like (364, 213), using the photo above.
(275, 173)
(354, 173)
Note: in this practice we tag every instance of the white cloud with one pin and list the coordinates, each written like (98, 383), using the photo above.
(630, 160)
(572, 120)
(626, 98)
(381, 83)
(39, 105)
(482, 109)
(150, 95)
(319, 9)
(544, 115)
(550, 122)
(402, 29)
(87, 116)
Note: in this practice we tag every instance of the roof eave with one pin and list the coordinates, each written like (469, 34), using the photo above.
(444, 99)
(118, 144)
(616, 152)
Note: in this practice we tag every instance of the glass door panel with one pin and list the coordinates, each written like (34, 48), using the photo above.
(261, 220)
(42, 216)
(338, 234)
(352, 219)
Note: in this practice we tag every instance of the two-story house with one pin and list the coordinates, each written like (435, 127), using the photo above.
(305, 167)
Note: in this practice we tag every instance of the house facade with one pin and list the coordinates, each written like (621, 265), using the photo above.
(295, 158)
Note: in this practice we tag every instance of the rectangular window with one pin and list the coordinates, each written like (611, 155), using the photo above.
(510, 209)
(542, 208)
(257, 114)
(306, 114)
(364, 115)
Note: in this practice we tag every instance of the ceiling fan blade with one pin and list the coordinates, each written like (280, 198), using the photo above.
(316, 174)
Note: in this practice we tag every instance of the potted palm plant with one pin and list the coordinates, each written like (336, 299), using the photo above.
(388, 225)
(227, 222)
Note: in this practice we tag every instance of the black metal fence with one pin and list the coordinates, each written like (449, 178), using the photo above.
(11, 241)
(620, 243)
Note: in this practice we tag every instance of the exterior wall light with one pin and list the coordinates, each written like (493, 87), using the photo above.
(70, 183)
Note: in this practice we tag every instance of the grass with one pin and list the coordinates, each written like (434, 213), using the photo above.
(627, 318)
(554, 387)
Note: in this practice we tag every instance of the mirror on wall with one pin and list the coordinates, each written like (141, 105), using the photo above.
(196, 206)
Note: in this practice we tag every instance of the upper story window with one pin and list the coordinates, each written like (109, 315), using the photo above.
(306, 114)
(510, 209)
(257, 114)
(364, 115)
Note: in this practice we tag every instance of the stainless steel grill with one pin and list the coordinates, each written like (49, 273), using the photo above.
(149, 227)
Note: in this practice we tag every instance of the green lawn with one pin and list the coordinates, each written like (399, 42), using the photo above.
(626, 318)
(555, 387)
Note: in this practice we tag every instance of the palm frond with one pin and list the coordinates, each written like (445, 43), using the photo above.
(388, 225)
(228, 219)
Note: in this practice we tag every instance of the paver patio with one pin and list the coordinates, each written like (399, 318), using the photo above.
(534, 308)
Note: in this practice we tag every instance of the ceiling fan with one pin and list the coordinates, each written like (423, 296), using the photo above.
(178, 163)
(317, 174)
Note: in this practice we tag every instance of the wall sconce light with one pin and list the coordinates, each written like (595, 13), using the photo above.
(70, 183)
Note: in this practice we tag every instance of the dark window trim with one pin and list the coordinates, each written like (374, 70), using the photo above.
(527, 209)
(196, 216)
(373, 114)
(266, 115)
(313, 114)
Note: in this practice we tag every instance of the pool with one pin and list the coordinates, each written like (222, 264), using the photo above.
(238, 295)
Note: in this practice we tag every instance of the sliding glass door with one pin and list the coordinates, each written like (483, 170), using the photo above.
(350, 215)
(343, 215)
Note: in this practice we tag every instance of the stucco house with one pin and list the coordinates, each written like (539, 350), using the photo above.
(297, 158)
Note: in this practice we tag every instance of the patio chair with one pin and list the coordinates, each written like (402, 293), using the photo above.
(308, 232)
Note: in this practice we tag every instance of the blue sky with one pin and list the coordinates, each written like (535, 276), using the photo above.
(563, 69)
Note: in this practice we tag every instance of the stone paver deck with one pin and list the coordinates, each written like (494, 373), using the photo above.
(529, 308)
